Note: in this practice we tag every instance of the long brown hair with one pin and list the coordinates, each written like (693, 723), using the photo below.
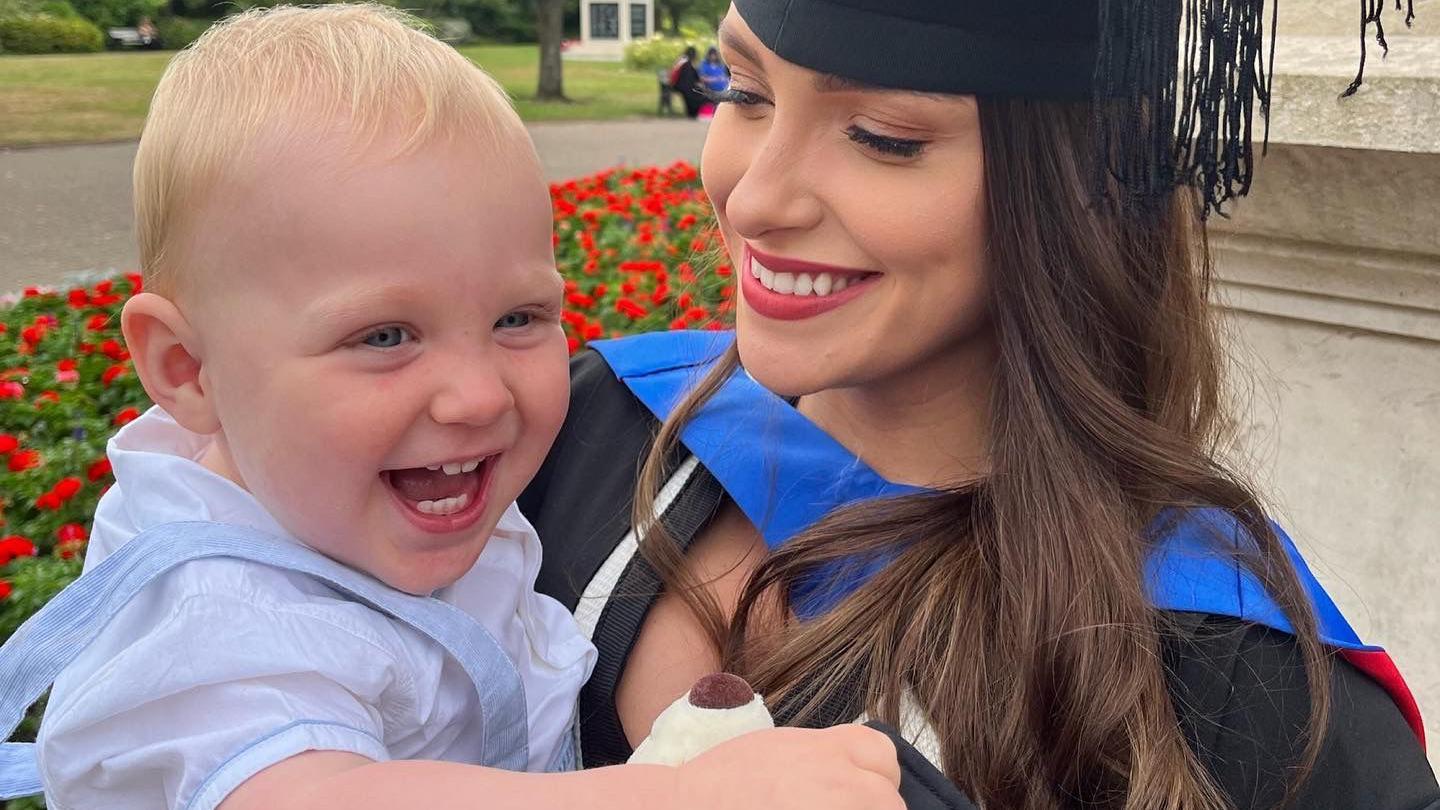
(1014, 608)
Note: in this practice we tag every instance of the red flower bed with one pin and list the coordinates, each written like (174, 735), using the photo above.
(639, 254)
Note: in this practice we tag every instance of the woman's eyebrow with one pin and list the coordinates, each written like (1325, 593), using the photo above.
(830, 83)
(733, 42)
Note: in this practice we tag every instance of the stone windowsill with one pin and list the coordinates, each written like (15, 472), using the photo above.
(1397, 109)
(1339, 228)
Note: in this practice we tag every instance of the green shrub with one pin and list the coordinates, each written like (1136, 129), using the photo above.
(659, 52)
(16, 8)
(58, 8)
(115, 13)
(179, 32)
(42, 33)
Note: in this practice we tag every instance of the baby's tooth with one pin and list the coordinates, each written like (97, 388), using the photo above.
(452, 469)
(469, 466)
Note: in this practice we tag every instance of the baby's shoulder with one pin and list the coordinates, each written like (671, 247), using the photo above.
(259, 604)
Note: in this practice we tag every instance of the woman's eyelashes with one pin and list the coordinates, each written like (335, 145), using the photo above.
(736, 96)
(884, 144)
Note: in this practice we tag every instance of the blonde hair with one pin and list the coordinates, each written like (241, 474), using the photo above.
(362, 69)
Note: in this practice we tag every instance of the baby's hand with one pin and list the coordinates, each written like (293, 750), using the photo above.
(842, 768)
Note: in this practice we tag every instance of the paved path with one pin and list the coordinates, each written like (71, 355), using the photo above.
(66, 209)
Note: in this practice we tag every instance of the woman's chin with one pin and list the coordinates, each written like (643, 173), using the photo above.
(787, 367)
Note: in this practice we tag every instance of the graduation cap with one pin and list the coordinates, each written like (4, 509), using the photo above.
(1174, 83)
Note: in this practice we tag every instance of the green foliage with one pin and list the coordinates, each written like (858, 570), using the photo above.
(200, 9)
(15, 8)
(492, 20)
(115, 13)
(677, 15)
(34, 580)
(59, 8)
(52, 8)
(179, 32)
(27, 803)
(659, 52)
(42, 33)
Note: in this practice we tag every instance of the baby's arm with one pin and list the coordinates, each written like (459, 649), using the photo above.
(781, 769)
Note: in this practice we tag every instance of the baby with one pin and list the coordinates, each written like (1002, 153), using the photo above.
(310, 586)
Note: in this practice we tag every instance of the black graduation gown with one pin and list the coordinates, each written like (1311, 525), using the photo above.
(691, 88)
(1239, 688)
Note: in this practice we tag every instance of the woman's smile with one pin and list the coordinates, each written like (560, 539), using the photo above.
(790, 289)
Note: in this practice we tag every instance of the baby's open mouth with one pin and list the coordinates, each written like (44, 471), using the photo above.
(440, 489)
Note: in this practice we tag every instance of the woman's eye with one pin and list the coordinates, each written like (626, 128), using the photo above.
(732, 95)
(885, 145)
(514, 320)
(387, 337)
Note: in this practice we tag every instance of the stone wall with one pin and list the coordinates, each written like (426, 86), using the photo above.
(1330, 277)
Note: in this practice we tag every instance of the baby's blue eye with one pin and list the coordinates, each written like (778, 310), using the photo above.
(387, 337)
(514, 320)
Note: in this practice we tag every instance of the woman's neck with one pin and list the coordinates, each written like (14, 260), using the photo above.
(926, 426)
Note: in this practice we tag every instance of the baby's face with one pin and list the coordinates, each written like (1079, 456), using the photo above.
(382, 342)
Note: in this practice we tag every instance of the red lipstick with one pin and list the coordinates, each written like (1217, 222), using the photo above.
(783, 306)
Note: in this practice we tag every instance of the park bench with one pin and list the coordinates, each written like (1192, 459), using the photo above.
(667, 93)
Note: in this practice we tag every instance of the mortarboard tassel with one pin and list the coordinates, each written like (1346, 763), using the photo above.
(1173, 109)
(1370, 12)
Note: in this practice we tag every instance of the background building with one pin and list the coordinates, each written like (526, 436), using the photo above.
(1330, 274)
(607, 26)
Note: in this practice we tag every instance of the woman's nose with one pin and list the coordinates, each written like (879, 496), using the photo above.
(772, 193)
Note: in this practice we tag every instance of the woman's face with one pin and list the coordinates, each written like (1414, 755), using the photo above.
(856, 221)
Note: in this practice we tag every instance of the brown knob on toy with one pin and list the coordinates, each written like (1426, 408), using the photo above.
(721, 691)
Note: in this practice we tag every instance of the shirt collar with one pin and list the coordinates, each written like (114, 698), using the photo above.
(159, 479)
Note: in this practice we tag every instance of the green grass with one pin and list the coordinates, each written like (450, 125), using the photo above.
(598, 91)
(104, 96)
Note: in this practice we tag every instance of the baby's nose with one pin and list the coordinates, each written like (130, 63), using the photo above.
(472, 392)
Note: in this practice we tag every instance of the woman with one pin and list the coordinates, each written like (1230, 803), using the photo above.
(965, 482)
(713, 71)
(685, 80)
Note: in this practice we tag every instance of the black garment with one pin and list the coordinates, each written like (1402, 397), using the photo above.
(1239, 688)
(1176, 87)
(691, 88)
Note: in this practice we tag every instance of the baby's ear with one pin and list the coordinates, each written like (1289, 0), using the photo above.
(165, 350)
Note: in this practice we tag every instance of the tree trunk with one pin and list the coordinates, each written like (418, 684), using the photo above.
(672, 15)
(550, 25)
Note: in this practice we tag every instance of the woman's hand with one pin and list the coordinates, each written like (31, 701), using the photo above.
(847, 767)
